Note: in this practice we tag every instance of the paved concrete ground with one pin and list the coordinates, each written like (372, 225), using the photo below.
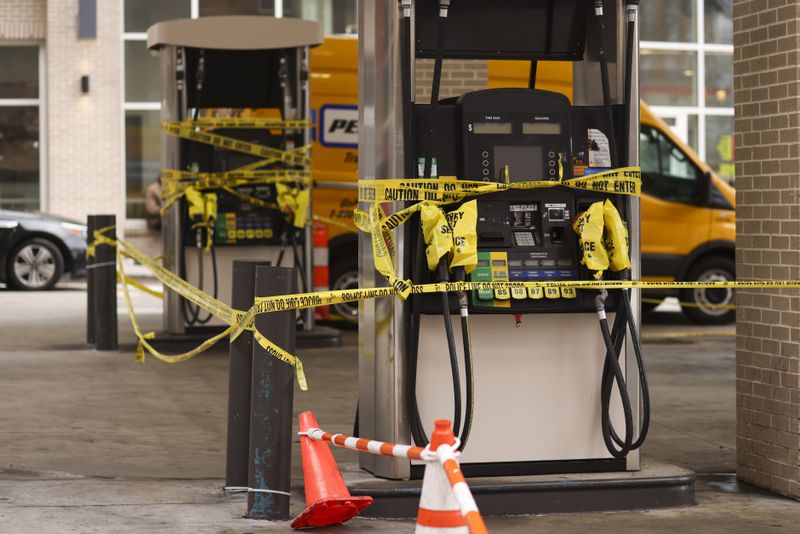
(93, 442)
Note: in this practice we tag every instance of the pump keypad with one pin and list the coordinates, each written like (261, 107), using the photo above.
(526, 237)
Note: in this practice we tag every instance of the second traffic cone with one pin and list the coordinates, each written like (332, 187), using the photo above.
(327, 499)
(438, 509)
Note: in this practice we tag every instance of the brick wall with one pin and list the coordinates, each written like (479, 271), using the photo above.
(22, 20)
(84, 131)
(458, 77)
(766, 80)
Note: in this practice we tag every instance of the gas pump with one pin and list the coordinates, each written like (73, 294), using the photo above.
(235, 107)
(539, 382)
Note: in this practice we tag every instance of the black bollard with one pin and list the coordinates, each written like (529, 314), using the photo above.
(90, 315)
(272, 392)
(105, 287)
(239, 373)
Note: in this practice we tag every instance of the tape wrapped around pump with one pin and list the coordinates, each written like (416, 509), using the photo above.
(590, 226)
(615, 238)
(437, 233)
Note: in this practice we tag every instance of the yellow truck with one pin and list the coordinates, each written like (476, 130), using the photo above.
(688, 220)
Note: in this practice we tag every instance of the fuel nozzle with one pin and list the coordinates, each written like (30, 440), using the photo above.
(460, 275)
(444, 5)
(600, 304)
(632, 9)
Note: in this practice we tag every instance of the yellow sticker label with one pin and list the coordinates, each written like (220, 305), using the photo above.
(568, 293)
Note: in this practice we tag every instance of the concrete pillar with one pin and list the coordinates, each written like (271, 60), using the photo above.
(766, 82)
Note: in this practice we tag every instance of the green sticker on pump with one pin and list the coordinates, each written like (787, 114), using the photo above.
(482, 273)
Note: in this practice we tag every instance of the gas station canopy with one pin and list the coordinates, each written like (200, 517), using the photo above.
(236, 33)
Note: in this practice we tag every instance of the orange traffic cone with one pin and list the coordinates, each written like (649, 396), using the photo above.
(327, 499)
(438, 509)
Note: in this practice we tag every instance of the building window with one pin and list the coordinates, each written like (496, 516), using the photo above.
(142, 98)
(686, 71)
(19, 128)
(141, 14)
(211, 8)
(142, 157)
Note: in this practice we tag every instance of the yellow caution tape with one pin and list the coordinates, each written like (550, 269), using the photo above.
(267, 123)
(589, 226)
(463, 221)
(202, 210)
(615, 238)
(295, 201)
(333, 222)
(383, 255)
(260, 163)
(91, 247)
(186, 131)
(437, 233)
(326, 298)
(274, 350)
(174, 180)
(447, 189)
(255, 201)
(208, 303)
(138, 285)
(144, 338)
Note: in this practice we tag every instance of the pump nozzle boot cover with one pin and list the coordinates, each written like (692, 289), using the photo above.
(438, 509)
(327, 499)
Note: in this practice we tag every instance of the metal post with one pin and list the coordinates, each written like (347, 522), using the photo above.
(239, 373)
(308, 239)
(90, 315)
(105, 279)
(272, 392)
(381, 351)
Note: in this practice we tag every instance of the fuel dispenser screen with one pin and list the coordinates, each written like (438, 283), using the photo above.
(524, 162)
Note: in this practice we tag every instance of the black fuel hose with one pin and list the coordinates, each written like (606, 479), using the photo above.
(623, 321)
(415, 420)
(451, 347)
(605, 83)
(191, 312)
(615, 375)
(466, 340)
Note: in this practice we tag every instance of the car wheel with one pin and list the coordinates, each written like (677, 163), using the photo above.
(344, 275)
(711, 306)
(35, 264)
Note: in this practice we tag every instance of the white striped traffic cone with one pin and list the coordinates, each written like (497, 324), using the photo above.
(321, 270)
(438, 510)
